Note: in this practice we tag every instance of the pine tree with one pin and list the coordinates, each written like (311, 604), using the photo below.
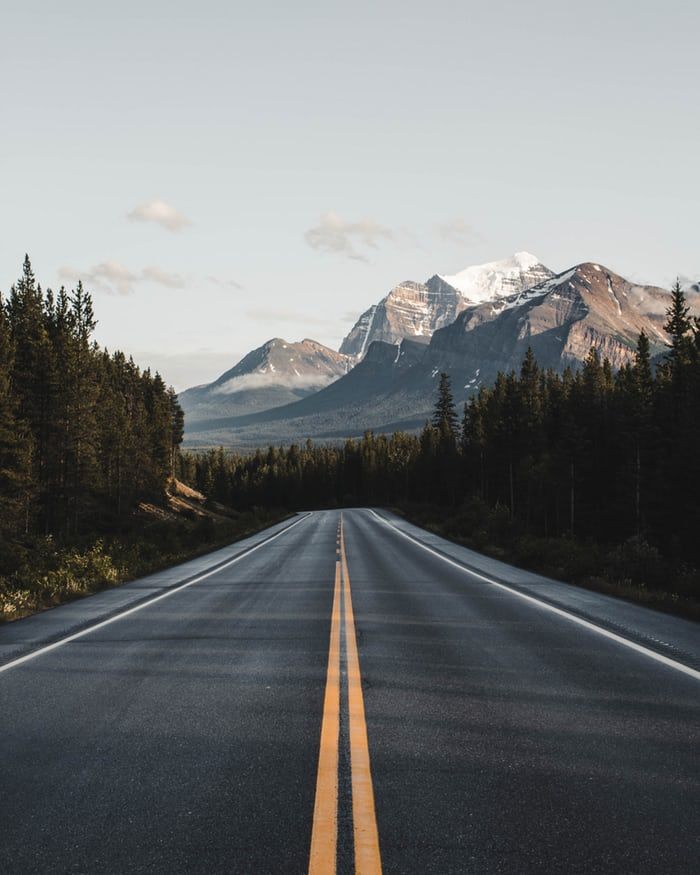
(14, 445)
(177, 417)
(445, 414)
(681, 353)
(643, 396)
(98, 434)
(642, 371)
(34, 380)
(473, 442)
(82, 390)
(678, 324)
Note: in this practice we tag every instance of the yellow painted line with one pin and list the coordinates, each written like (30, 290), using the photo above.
(367, 857)
(324, 833)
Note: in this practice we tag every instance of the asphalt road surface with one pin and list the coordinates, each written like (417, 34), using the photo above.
(349, 697)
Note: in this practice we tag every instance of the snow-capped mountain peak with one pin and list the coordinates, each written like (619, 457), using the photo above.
(496, 279)
(418, 309)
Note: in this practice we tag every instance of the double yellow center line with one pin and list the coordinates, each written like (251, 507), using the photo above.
(324, 835)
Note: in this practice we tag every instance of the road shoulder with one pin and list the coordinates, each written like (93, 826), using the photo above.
(38, 630)
(675, 637)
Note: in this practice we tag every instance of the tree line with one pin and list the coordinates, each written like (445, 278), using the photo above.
(84, 433)
(588, 454)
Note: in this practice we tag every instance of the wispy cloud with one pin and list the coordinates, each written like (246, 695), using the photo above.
(114, 278)
(456, 231)
(109, 276)
(224, 283)
(336, 236)
(162, 277)
(258, 381)
(690, 283)
(161, 213)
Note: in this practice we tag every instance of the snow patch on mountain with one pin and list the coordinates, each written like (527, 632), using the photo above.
(417, 310)
(495, 279)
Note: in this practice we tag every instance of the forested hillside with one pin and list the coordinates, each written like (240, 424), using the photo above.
(87, 447)
(84, 434)
(581, 474)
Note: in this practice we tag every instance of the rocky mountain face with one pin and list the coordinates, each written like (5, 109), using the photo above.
(498, 279)
(393, 386)
(409, 310)
(419, 309)
(560, 318)
(274, 374)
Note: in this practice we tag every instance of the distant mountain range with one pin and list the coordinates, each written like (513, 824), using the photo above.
(275, 373)
(470, 325)
(419, 309)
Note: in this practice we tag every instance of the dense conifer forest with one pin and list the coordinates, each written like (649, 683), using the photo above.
(88, 442)
(582, 474)
(84, 434)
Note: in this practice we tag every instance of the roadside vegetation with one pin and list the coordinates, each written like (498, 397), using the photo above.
(88, 447)
(183, 526)
(634, 569)
(591, 476)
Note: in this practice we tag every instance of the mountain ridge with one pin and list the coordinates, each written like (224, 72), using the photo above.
(413, 309)
(393, 385)
(271, 375)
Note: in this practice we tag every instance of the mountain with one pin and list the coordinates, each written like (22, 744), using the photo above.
(409, 310)
(560, 318)
(394, 385)
(419, 309)
(334, 411)
(497, 279)
(271, 375)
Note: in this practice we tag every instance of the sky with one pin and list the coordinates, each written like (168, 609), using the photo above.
(220, 173)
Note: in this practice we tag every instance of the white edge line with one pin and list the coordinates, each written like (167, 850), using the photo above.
(626, 642)
(146, 604)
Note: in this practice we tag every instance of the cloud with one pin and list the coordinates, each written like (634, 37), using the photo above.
(456, 231)
(160, 212)
(114, 278)
(260, 380)
(338, 237)
(109, 276)
(162, 277)
(224, 283)
(657, 303)
(690, 284)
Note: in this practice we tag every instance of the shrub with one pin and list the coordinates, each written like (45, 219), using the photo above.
(638, 563)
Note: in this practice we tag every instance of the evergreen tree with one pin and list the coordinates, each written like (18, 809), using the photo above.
(642, 371)
(15, 486)
(678, 324)
(445, 414)
(82, 434)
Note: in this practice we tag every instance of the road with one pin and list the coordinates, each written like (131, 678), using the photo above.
(360, 695)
